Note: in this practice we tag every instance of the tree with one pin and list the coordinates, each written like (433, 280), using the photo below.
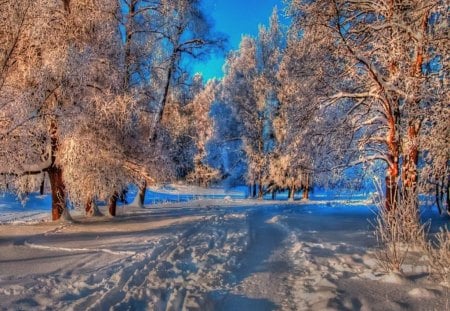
(250, 86)
(299, 120)
(61, 75)
(199, 109)
(159, 37)
(238, 90)
(383, 48)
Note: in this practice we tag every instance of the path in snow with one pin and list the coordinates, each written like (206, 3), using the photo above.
(287, 257)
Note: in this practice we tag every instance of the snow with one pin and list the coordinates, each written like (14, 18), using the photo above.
(209, 254)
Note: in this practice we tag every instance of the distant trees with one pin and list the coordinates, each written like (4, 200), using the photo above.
(203, 174)
(298, 124)
(250, 88)
(159, 36)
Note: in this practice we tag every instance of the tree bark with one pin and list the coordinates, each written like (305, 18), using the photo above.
(305, 194)
(58, 192)
(392, 173)
(88, 207)
(439, 193)
(42, 187)
(291, 193)
(409, 167)
(260, 191)
(112, 204)
(254, 191)
(274, 195)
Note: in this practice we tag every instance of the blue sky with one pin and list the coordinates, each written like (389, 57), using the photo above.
(234, 18)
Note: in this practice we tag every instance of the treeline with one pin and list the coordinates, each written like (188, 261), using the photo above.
(349, 89)
(96, 94)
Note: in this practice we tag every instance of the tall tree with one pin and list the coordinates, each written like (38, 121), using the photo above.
(384, 47)
(62, 77)
(250, 86)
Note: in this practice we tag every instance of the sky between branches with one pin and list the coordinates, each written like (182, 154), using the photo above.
(234, 18)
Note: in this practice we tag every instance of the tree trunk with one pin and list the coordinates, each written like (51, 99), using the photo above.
(165, 97)
(392, 173)
(274, 195)
(439, 193)
(291, 193)
(58, 192)
(88, 207)
(140, 195)
(92, 209)
(42, 187)
(254, 191)
(305, 194)
(391, 192)
(112, 204)
(260, 191)
(409, 167)
(142, 190)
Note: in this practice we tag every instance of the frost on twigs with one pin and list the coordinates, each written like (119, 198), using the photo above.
(398, 231)
(438, 255)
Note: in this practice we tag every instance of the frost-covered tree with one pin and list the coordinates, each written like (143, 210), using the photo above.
(63, 109)
(238, 90)
(225, 148)
(159, 38)
(299, 117)
(250, 87)
(203, 174)
(383, 48)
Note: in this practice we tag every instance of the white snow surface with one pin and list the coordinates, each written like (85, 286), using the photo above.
(207, 255)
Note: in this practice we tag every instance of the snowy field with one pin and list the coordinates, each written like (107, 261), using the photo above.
(207, 254)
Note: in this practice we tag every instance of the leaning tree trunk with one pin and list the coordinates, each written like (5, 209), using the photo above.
(58, 191)
(112, 204)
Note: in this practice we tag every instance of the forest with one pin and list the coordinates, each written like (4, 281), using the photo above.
(96, 95)
(99, 95)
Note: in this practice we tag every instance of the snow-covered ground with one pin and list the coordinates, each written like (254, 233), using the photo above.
(210, 254)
